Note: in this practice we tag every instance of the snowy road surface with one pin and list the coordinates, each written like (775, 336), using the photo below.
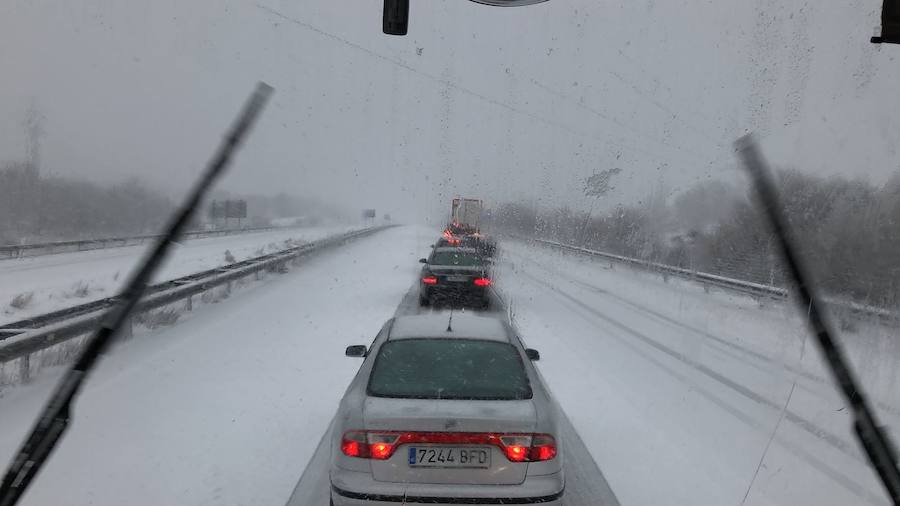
(68, 279)
(675, 393)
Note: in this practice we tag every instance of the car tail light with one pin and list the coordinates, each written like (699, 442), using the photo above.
(482, 281)
(369, 445)
(429, 280)
(516, 447)
(354, 444)
(380, 445)
(543, 447)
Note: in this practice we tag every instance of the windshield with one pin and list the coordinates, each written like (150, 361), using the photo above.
(574, 169)
(455, 258)
(449, 369)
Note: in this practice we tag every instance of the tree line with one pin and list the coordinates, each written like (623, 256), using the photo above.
(38, 208)
(35, 208)
(848, 230)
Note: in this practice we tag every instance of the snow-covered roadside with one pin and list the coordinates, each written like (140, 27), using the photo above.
(58, 281)
(227, 406)
(677, 392)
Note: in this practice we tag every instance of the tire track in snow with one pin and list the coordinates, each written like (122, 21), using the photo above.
(834, 441)
(724, 345)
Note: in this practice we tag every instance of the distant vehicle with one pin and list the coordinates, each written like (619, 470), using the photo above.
(455, 276)
(485, 245)
(446, 411)
(465, 216)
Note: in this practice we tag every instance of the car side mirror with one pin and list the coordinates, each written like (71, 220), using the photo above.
(532, 354)
(423, 261)
(357, 350)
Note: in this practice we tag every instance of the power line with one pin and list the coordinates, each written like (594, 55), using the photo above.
(461, 88)
(664, 86)
(609, 118)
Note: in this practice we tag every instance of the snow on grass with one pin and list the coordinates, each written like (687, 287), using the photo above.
(59, 281)
(21, 300)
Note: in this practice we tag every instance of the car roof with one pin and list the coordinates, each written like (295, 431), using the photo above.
(465, 326)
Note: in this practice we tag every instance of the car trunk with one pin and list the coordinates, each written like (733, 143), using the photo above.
(447, 273)
(456, 285)
(449, 416)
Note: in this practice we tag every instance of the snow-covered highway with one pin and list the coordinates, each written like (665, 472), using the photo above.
(678, 395)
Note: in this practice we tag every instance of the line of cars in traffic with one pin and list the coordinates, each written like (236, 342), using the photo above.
(458, 271)
(447, 406)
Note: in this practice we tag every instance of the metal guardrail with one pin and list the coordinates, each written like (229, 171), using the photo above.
(20, 340)
(48, 248)
(737, 285)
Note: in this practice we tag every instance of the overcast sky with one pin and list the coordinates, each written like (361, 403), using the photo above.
(499, 103)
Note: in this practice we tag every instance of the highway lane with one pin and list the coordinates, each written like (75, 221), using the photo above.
(585, 482)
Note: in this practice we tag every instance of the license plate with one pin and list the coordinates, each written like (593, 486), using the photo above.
(449, 456)
(458, 279)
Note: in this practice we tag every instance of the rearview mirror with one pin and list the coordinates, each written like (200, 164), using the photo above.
(357, 350)
(531, 353)
(395, 15)
(423, 261)
(508, 3)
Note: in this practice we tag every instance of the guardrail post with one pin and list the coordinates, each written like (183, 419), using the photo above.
(25, 368)
(189, 303)
(127, 331)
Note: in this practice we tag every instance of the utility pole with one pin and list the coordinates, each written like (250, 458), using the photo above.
(33, 123)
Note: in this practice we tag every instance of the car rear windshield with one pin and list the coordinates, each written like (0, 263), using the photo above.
(460, 258)
(449, 369)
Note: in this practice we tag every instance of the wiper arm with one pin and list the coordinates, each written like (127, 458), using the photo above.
(54, 419)
(874, 440)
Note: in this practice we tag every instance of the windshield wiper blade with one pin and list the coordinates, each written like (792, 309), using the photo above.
(876, 443)
(54, 419)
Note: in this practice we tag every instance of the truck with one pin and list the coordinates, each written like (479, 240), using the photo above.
(465, 215)
(464, 229)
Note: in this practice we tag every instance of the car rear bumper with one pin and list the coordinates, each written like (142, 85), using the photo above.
(352, 488)
(448, 294)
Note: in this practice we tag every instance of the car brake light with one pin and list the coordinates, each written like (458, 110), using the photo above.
(381, 445)
(354, 444)
(368, 445)
(517, 453)
(482, 281)
(543, 447)
(429, 280)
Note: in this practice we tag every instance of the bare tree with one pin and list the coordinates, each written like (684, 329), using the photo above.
(597, 186)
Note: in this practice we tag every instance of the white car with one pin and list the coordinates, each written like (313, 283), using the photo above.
(446, 410)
